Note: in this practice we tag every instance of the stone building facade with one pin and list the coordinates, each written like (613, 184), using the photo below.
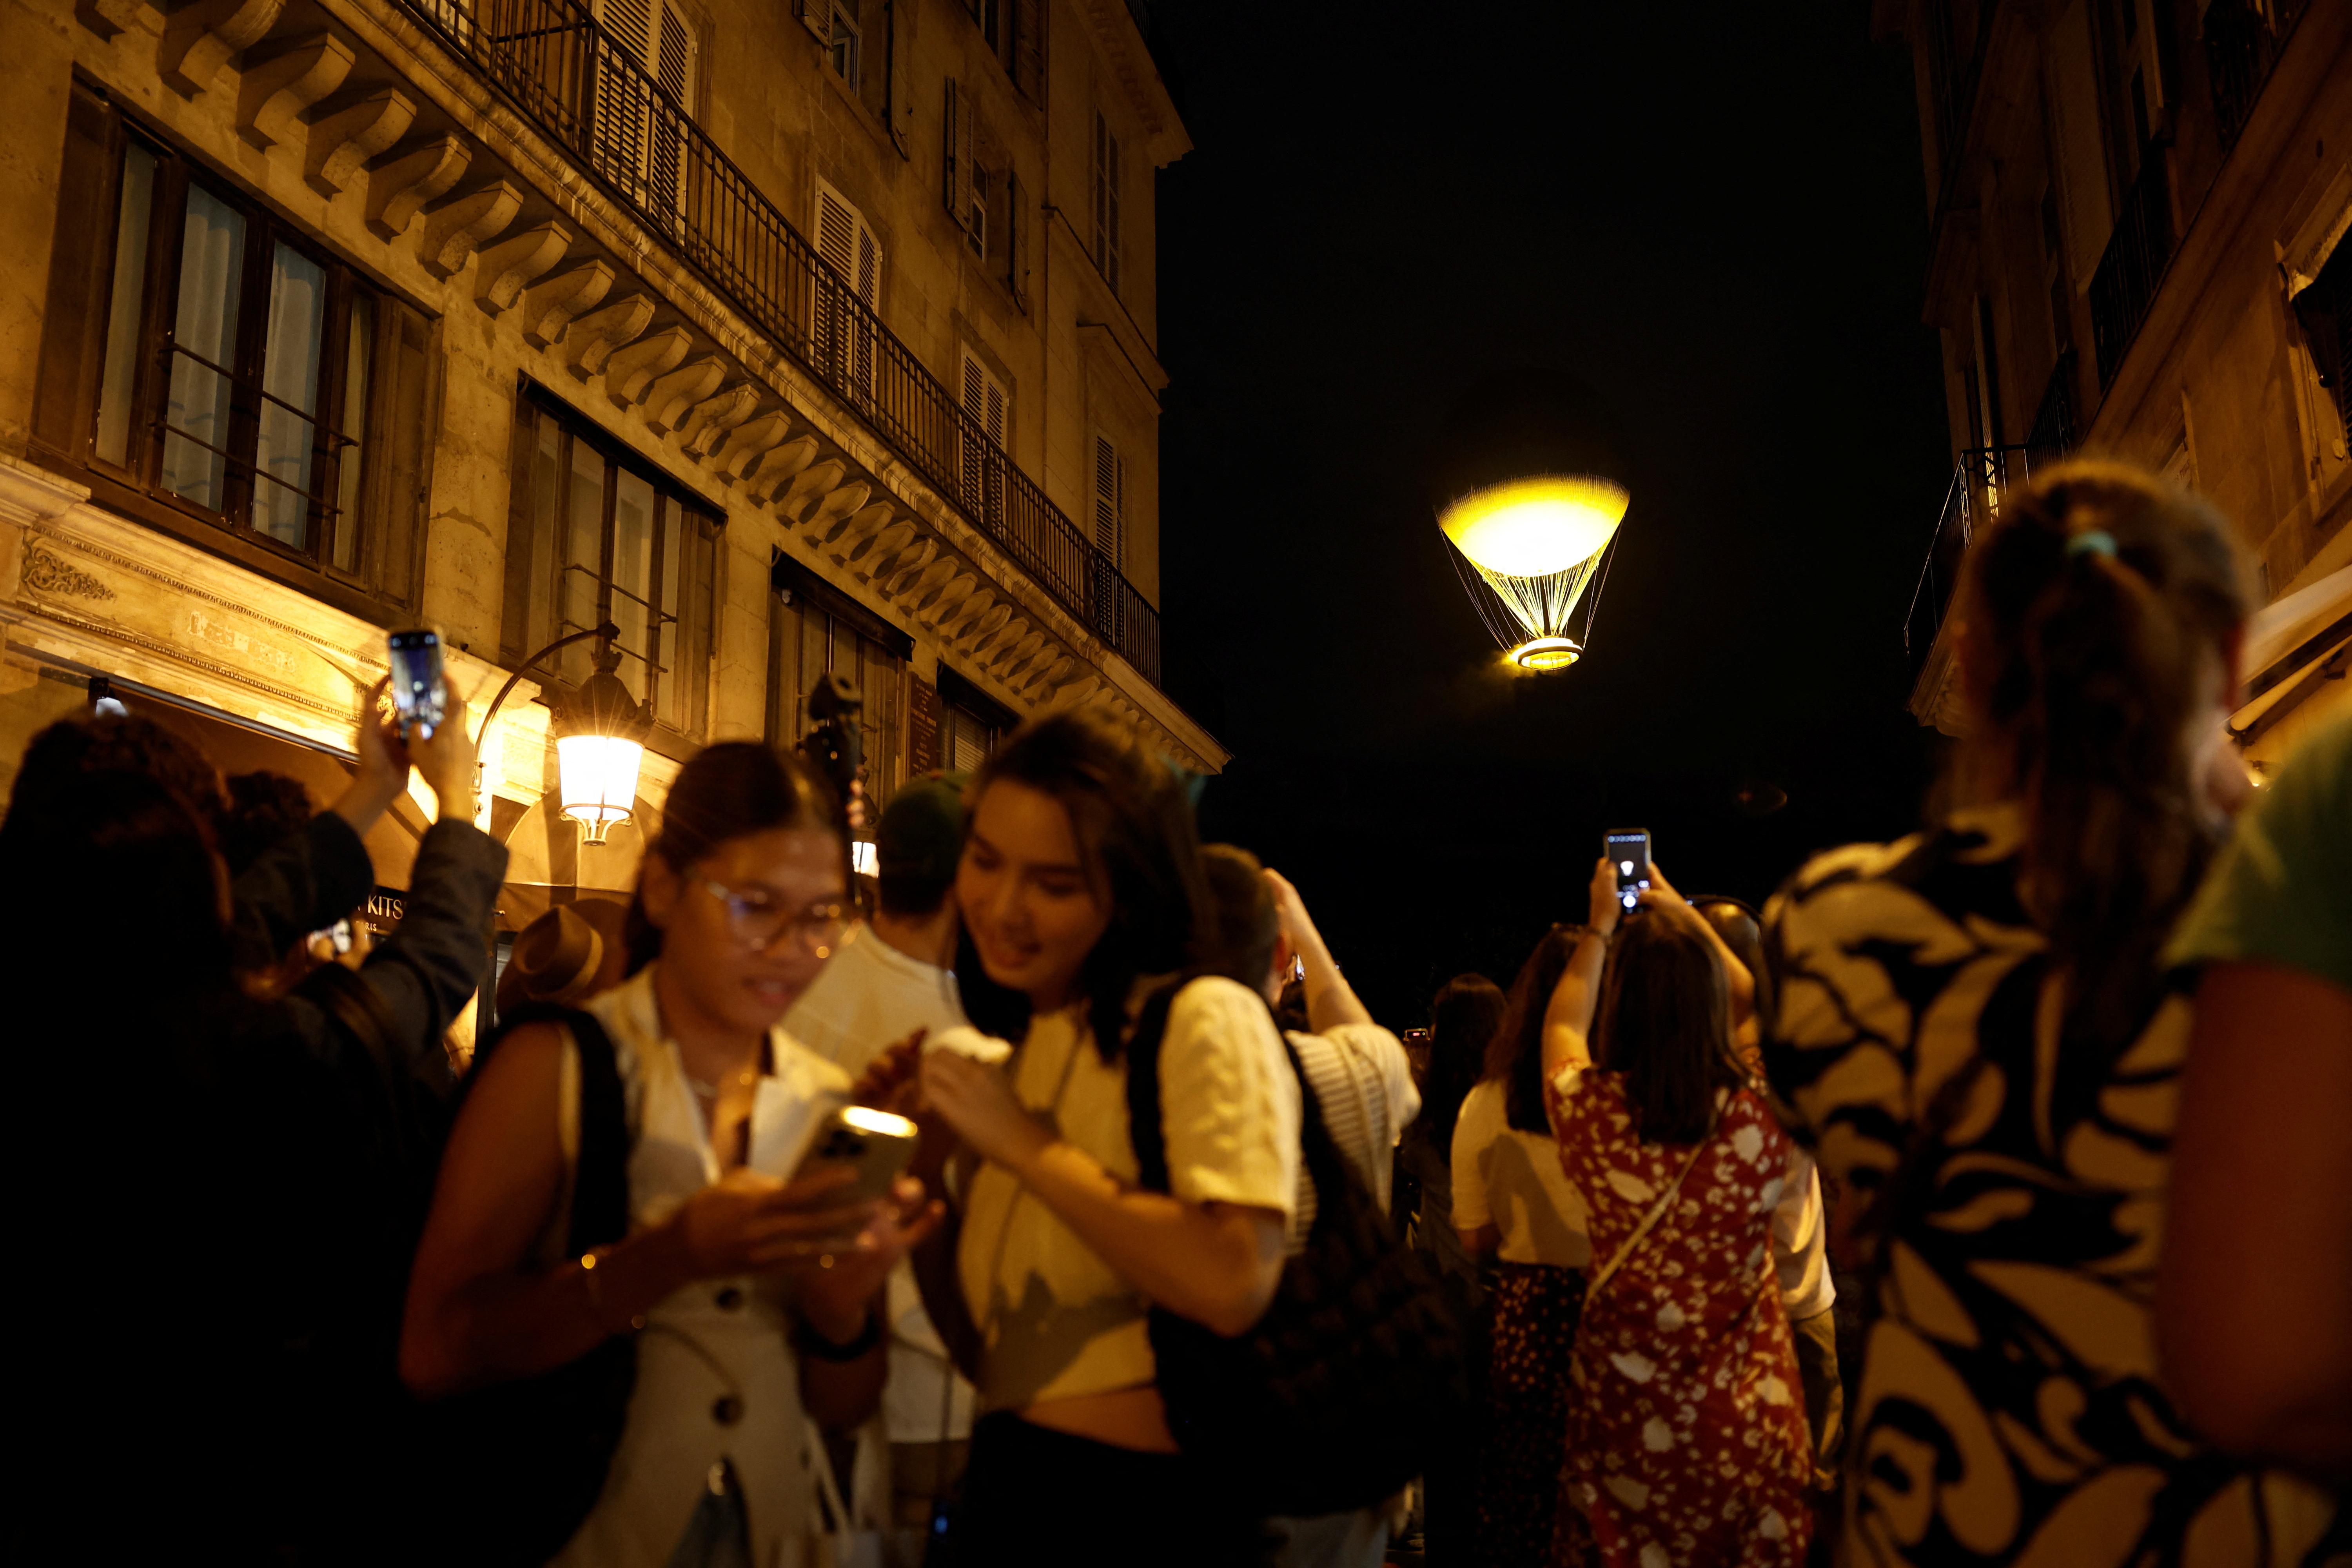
(2138, 210)
(792, 336)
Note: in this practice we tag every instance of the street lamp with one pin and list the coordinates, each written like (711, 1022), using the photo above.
(1529, 491)
(600, 738)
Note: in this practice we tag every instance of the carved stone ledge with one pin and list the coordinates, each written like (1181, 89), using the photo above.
(455, 231)
(350, 135)
(709, 422)
(201, 38)
(510, 265)
(275, 89)
(846, 534)
(109, 19)
(595, 336)
(936, 607)
(634, 368)
(404, 179)
(886, 571)
(674, 394)
(779, 468)
(809, 484)
(750, 441)
(984, 621)
(914, 582)
(548, 308)
(882, 545)
(837, 505)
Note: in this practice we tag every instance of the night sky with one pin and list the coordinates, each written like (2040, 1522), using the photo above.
(1716, 219)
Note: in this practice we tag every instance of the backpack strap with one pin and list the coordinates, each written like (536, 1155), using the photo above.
(1326, 1167)
(600, 1192)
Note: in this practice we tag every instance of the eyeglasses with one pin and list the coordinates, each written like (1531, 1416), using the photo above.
(758, 920)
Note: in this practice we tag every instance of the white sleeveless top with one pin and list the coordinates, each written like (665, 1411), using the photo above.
(717, 1377)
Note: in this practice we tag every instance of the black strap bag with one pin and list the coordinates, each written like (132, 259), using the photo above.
(523, 1462)
(1332, 1401)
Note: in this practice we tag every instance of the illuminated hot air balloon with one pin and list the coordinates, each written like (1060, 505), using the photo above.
(1526, 496)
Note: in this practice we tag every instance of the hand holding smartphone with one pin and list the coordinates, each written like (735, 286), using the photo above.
(877, 1144)
(419, 695)
(1628, 849)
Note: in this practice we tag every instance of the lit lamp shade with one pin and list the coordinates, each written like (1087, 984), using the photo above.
(1530, 527)
(600, 742)
(600, 780)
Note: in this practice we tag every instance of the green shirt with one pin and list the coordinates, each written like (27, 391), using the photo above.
(2282, 890)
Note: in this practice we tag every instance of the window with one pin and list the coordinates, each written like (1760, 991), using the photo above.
(813, 629)
(596, 534)
(201, 353)
(970, 723)
(846, 336)
(857, 39)
(986, 434)
(983, 195)
(639, 139)
(1107, 202)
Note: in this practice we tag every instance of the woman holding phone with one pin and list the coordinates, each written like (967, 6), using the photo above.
(757, 1296)
(1081, 889)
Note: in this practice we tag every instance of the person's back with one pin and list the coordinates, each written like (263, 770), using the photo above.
(1974, 1028)
(1686, 1438)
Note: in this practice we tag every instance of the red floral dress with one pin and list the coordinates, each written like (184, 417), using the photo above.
(1686, 1438)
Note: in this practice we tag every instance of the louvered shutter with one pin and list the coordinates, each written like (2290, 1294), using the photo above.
(1110, 500)
(837, 242)
(1016, 239)
(1029, 49)
(622, 101)
(951, 186)
(674, 68)
(816, 16)
(990, 412)
(867, 280)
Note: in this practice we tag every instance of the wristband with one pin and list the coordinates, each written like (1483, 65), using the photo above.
(813, 1344)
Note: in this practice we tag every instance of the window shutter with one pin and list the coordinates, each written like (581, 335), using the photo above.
(1016, 239)
(1029, 49)
(1111, 272)
(405, 417)
(965, 148)
(951, 167)
(73, 326)
(867, 278)
(837, 234)
(1110, 501)
(816, 16)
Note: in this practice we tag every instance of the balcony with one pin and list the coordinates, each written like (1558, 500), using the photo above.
(587, 93)
(1980, 479)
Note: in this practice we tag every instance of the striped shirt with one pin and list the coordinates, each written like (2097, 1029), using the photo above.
(1364, 1084)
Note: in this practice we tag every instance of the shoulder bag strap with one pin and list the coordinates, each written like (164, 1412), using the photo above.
(600, 1194)
(1657, 1212)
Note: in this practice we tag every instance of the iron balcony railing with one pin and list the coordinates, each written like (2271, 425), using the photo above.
(591, 94)
(2137, 252)
(2243, 39)
(1983, 477)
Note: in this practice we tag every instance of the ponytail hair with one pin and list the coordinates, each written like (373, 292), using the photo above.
(2098, 609)
(1133, 821)
(731, 791)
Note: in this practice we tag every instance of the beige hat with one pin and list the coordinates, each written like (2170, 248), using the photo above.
(564, 957)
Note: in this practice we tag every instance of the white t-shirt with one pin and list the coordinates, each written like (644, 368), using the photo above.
(1055, 1321)
(1363, 1082)
(868, 998)
(1800, 1242)
(1513, 1180)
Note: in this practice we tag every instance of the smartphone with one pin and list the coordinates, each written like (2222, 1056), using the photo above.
(875, 1143)
(418, 695)
(1628, 849)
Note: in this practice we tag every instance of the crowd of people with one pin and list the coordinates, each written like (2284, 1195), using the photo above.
(1193, 1261)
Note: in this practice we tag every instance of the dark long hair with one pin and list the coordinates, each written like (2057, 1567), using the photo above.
(1664, 1023)
(1135, 837)
(1743, 932)
(730, 790)
(2097, 608)
(1515, 1056)
(1246, 925)
(1463, 1018)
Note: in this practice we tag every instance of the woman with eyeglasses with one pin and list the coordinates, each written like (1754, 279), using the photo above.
(752, 1299)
